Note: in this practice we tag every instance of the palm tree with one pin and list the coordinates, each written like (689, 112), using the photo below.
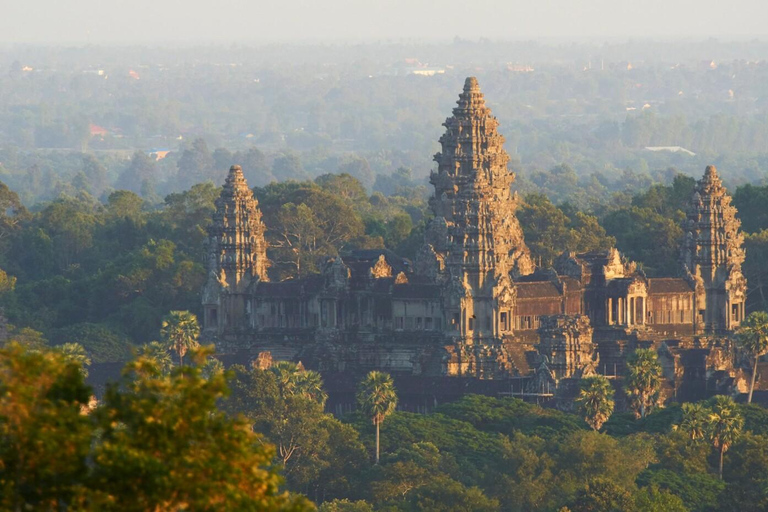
(309, 384)
(294, 380)
(158, 352)
(75, 353)
(286, 373)
(377, 398)
(643, 380)
(180, 331)
(595, 400)
(752, 337)
(725, 424)
(695, 421)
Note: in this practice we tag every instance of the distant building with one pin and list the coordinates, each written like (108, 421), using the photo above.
(98, 131)
(158, 154)
(670, 149)
(426, 71)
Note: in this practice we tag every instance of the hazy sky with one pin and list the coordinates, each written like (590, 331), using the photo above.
(227, 21)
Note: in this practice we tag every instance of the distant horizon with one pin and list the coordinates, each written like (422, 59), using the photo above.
(192, 22)
(544, 41)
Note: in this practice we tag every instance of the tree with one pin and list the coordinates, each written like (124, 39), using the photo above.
(195, 165)
(695, 421)
(377, 399)
(345, 505)
(752, 337)
(602, 495)
(159, 354)
(139, 175)
(724, 427)
(45, 438)
(294, 380)
(595, 400)
(643, 381)
(653, 499)
(75, 353)
(165, 446)
(180, 331)
(321, 455)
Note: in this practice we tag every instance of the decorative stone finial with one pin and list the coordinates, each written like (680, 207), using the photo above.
(235, 168)
(710, 172)
(471, 85)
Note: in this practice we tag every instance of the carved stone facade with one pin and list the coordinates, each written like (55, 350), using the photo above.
(474, 242)
(712, 254)
(237, 254)
(473, 304)
(566, 343)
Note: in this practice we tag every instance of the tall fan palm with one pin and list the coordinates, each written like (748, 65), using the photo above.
(643, 380)
(309, 384)
(725, 424)
(377, 398)
(595, 400)
(695, 421)
(159, 354)
(75, 353)
(752, 337)
(294, 380)
(180, 332)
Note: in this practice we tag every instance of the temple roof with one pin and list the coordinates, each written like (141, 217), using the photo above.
(669, 285)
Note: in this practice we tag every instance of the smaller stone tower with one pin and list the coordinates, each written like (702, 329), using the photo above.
(712, 254)
(237, 254)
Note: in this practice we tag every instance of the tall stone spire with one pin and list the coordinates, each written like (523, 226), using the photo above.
(237, 252)
(474, 243)
(712, 253)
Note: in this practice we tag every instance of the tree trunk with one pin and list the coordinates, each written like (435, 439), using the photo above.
(377, 442)
(754, 376)
(722, 452)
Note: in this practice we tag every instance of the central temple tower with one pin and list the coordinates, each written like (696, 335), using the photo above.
(713, 253)
(474, 245)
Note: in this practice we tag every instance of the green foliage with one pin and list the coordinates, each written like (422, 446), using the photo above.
(75, 353)
(180, 332)
(642, 383)
(102, 344)
(652, 499)
(45, 437)
(159, 354)
(167, 431)
(595, 400)
(345, 505)
(508, 415)
(747, 475)
(752, 337)
(724, 426)
(601, 495)
(698, 491)
(647, 237)
(377, 399)
(549, 231)
(321, 456)
(154, 442)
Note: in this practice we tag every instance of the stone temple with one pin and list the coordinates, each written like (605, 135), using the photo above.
(473, 304)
